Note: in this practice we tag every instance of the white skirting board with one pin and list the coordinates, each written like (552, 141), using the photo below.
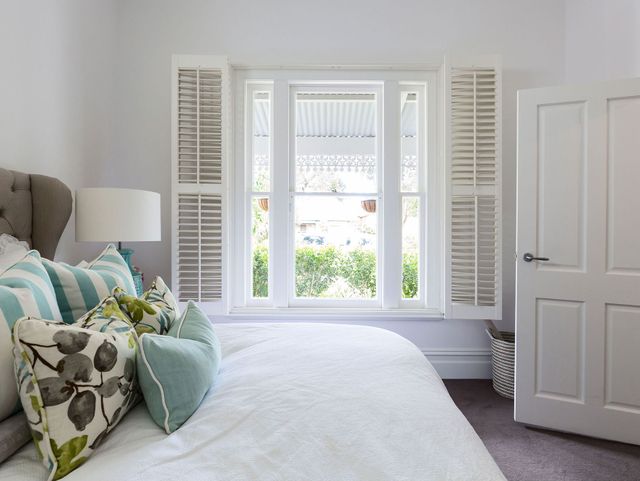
(460, 363)
(449, 362)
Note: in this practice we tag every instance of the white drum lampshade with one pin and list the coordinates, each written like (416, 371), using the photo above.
(117, 215)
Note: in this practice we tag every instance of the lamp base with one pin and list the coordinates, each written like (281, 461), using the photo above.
(126, 255)
(137, 276)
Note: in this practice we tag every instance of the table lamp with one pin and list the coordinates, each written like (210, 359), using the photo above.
(118, 215)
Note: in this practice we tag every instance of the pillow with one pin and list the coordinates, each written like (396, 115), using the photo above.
(154, 312)
(176, 371)
(160, 295)
(8, 242)
(80, 289)
(25, 290)
(76, 382)
(14, 433)
(11, 251)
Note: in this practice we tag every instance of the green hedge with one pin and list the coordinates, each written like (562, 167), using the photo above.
(409, 275)
(317, 268)
(260, 272)
(358, 268)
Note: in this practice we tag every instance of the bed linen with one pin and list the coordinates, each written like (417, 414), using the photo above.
(294, 402)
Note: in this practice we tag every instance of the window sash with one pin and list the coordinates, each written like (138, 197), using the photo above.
(422, 262)
(320, 88)
(428, 219)
(257, 301)
(250, 194)
(296, 301)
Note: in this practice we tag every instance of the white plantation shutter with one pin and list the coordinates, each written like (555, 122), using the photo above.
(473, 172)
(200, 132)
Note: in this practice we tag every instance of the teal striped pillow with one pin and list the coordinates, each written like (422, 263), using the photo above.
(25, 290)
(80, 289)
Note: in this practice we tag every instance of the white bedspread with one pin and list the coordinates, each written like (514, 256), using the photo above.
(298, 402)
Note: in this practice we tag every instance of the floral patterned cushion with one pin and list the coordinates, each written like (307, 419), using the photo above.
(162, 296)
(76, 382)
(153, 312)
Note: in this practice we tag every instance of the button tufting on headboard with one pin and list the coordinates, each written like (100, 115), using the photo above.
(15, 204)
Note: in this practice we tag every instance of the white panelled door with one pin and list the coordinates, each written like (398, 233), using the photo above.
(578, 307)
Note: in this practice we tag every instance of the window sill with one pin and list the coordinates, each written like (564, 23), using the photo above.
(330, 314)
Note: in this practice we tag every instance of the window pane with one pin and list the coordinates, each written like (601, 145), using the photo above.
(409, 141)
(261, 141)
(335, 242)
(260, 246)
(410, 247)
(336, 142)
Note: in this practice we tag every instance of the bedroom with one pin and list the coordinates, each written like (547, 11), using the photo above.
(90, 96)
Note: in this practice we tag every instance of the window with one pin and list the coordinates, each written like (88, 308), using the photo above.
(342, 187)
(331, 183)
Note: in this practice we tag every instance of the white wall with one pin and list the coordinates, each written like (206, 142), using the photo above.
(329, 32)
(602, 40)
(85, 89)
(55, 92)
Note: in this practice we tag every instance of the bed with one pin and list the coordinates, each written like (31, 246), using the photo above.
(295, 401)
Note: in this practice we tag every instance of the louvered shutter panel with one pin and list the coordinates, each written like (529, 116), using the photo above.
(473, 192)
(200, 132)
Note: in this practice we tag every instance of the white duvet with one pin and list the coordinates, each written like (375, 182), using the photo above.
(298, 402)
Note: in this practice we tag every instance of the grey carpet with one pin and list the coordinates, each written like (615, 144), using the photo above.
(527, 454)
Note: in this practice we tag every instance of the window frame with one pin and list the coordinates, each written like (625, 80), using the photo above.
(391, 83)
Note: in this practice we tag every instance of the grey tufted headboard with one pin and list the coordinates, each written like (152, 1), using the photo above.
(34, 208)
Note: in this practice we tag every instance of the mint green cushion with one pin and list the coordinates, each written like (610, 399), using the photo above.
(177, 370)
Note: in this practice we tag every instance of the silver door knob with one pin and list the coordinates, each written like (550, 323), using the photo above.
(528, 257)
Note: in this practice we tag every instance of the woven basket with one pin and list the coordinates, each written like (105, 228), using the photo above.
(502, 362)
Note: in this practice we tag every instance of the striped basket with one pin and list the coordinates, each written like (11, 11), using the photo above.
(502, 362)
